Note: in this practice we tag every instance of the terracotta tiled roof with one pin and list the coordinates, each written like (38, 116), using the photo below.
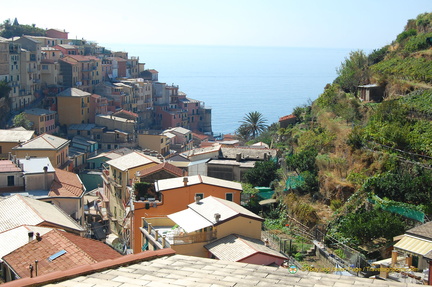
(144, 258)
(200, 136)
(125, 112)
(79, 251)
(81, 58)
(162, 166)
(66, 184)
(288, 117)
(8, 166)
(163, 268)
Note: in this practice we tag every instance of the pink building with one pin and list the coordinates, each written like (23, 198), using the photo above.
(43, 120)
(98, 106)
(67, 49)
(56, 33)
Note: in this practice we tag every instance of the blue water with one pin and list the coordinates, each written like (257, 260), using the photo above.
(236, 80)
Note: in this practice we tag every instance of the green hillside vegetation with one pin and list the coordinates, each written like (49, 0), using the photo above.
(9, 30)
(348, 151)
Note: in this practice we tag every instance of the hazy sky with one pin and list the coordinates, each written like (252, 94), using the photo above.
(360, 24)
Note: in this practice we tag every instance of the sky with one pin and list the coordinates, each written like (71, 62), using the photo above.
(353, 24)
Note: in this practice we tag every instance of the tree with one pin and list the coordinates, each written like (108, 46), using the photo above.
(21, 120)
(365, 226)
(4, 89)
(263, 173)
(254, 123)
(353, 72)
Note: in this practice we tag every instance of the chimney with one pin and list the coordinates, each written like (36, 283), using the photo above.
(238, 157)
(45, 169)
(217, 217)
(30, 236)
(38, 237)
(185, 181)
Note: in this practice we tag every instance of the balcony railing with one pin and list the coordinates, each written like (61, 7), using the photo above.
(168, 237)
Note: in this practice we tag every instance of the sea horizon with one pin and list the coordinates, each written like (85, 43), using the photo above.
(235, 80)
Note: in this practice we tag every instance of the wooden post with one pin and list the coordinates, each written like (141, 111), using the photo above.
(383, 271)
(163, 240)
(149, 227)
(142, 222)
(156, 235)
(394, 258)
(408, 261)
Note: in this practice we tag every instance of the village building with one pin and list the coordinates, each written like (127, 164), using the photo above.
(12, 137)
(43, 121)
(119, 177)
(174, 194)
(46, 145)
(211, 227)
(54, 251)
(17, 210)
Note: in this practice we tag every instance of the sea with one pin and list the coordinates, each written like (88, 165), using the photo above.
(236, 80)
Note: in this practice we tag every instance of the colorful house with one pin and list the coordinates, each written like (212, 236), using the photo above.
(43, 120)
(119, 176)
(55, 251)
(45, 145)
(206, 220)
(73, 107)
(13, 137)
(175, 194)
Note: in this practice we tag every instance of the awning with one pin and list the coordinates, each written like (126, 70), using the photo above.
(414, 245)
(189, 220)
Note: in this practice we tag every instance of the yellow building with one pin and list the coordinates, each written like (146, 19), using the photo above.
(43, 120)
(118, 180)
(73, 107)
(204, 221)
(45, 145)
(11, 138)
(155, 142)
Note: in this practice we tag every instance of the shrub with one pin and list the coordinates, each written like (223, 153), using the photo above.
(298, 256)
(335, 204)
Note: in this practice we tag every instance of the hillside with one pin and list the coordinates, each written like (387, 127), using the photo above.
(356, 158)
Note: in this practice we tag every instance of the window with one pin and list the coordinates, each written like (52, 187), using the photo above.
(11, 180)
(229, 196)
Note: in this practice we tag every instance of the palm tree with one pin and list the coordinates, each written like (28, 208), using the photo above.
(254, 122)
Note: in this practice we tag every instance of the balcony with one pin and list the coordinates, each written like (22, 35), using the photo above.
(109, 179)
(164, 233)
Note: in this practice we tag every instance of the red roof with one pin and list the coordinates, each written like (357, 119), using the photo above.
(76, 251)
(87, 269)
(66, 184)
(132, 114)
(288, 117)
(8, 166)
(81, 58)
(200, 136)
(162, 166)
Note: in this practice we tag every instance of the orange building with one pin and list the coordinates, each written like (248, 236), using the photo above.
(175, 194)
